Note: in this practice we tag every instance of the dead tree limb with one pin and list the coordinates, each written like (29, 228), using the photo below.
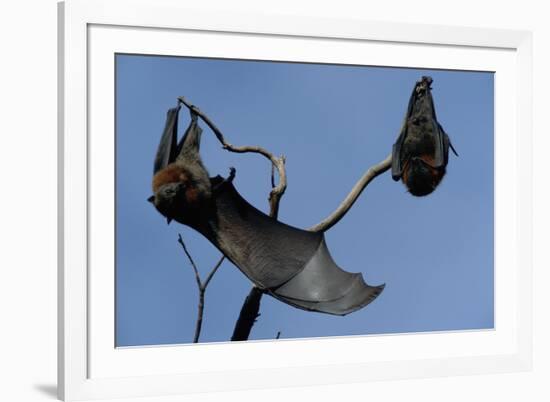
(251, 306)
(200, 285)
(278, 163)
(248, 315)
(352, 196)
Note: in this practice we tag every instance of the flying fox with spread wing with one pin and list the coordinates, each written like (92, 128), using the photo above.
(290, 264)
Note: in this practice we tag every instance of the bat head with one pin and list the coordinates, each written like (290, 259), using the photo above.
(420, 177)
(180, 183)
(169, 199)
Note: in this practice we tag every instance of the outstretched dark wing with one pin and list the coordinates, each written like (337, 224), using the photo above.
(291, 264)
(323, 286)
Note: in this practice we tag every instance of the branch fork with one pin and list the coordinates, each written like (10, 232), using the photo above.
(251, 305)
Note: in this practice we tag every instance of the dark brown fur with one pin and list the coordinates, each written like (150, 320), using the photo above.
(437, 174)
(195, 190)
(171, 174)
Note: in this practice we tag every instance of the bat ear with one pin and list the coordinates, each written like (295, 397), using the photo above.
(166, 151)
(151, 199)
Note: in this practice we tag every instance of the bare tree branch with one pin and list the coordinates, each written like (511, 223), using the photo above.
(201, 286)
(249, 311)
(278, 163)
(251, 305)
(200, 313)
(204, 117)
(272, 175)
(193, 265)
(355, 192)
(211, 274)
(248, 315)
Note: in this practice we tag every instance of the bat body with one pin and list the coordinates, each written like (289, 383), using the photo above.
(290, 264)
(421, 152)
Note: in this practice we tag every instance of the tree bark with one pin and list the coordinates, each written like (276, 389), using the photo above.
(247, 317)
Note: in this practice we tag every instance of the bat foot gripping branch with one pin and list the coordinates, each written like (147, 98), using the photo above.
(229, 179)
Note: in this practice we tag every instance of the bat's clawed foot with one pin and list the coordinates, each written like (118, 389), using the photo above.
(229, 179)
(232, 172)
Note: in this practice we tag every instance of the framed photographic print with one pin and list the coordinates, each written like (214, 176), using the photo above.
(246, 196)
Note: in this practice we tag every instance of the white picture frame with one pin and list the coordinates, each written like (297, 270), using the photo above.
(90, 367)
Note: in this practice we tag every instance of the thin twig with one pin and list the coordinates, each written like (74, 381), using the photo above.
(195, 270)
(211, 274)
(350, 199)
(204, 117)
(201, 286)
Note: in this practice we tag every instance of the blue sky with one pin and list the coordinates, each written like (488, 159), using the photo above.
(435, 253)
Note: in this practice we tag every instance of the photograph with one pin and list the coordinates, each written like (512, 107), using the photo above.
(270, 200)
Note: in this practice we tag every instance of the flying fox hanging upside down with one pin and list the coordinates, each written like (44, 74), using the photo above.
(290, 264)
(421, 153)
